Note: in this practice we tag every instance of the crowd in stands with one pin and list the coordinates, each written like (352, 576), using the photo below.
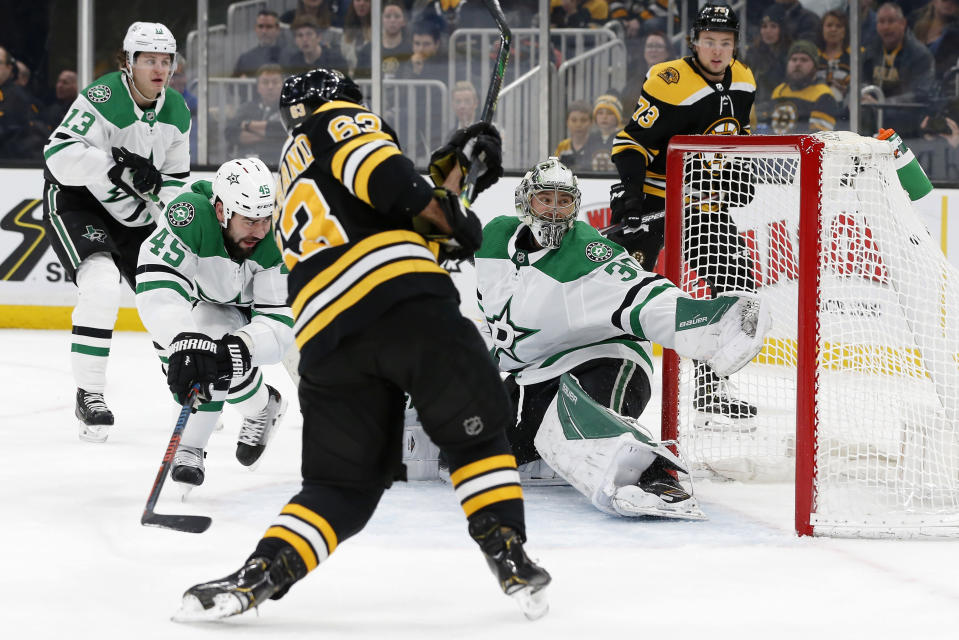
(798, 51)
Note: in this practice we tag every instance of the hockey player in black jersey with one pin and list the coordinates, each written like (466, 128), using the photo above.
(707, 93)
(376, 316)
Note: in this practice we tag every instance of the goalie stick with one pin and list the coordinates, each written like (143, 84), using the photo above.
(492, 95)
(150, 518)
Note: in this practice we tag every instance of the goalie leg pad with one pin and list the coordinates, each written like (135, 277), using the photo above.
(596, 450)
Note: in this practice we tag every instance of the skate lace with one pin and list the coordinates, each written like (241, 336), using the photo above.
(188, 456)
(252, 429)
(95, 402)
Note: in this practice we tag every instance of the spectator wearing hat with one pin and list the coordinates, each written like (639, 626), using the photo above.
(608, 116)
(767, 53)
(801, 104)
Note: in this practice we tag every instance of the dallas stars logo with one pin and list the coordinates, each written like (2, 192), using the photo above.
(233, 178)
(506, 333)
(95, 235)
(598, 252)
(99, 93)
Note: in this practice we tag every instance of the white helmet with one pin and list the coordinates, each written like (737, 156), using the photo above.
(149, 37)
(246, 187)
(551, 223)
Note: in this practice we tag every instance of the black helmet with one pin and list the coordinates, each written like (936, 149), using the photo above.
(715, 17)
(303, 93)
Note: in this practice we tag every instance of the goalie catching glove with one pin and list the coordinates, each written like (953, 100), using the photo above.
(144, 177)
(478, 142)
(727, 332)
(198, 358)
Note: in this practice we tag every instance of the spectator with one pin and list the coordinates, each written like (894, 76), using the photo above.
(608, 116)
(268, 49)
(357, 31)
(21, 132)
(397, 46)
(900, 66)
(23, 74)
(800, 23)
(179, 82)
(257, 130)
(465, 103)
(574, 151)
(800, 104)
(570, 14)
(65, 92)
(655, 49)
(833, 42)
(426, 64)
(311, 51)
(767, 54)
(322, 11)
(936, 25)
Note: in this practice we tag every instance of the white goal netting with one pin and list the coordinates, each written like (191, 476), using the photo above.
(879, 318)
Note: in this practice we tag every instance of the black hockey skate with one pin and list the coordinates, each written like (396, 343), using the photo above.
(657, 481)
(94, 416)
(258, 580)
(256, 430)
(713, 396)
(188, 466)
(518, 576)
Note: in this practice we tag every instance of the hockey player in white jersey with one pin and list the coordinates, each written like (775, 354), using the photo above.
(123, 145)
(211, 290)
(571, 317)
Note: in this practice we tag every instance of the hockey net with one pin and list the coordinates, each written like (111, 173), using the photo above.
(856, 391)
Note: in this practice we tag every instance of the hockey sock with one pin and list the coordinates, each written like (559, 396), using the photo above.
(250, 395)
(485, 479)
(95, 314)
(203, 422)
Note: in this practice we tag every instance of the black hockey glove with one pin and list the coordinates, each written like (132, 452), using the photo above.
(146, 177)
(466, 234)
(192, 359)
(232, 357)
(478, 142)
(624, 205)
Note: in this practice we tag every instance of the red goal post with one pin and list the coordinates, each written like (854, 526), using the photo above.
(856, 388)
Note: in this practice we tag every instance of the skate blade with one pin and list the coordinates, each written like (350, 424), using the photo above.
(94, 432)
(723, 424)
(532, 602)
(630, 510)
(191, 609)
(185, 489)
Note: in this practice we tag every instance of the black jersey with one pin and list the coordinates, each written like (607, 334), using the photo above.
(344, 226)
(677, 100)
(805, 110)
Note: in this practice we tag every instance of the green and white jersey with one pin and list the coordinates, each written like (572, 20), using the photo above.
(552, 309)
(185, 260)
(104, 115)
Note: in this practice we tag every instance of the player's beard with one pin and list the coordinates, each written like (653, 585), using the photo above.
(234, 250)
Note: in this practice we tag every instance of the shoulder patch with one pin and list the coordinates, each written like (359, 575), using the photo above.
(99, 93)
(599, 251)
(181, 214)
(669, 75)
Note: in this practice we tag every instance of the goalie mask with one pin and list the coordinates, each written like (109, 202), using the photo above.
(246, 187)
(303, 93)
(148, 37)
(547, 201)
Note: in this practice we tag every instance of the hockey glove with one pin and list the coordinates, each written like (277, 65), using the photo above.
(478, 142)
(192, 359)
(232, 357)
(466, 235)
(146, 177)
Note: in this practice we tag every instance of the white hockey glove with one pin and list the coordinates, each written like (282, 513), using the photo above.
(727, 332)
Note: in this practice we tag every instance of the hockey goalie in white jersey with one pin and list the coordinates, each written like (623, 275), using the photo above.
(571, 318)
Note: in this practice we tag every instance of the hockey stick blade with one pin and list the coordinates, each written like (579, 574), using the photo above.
(187, 524)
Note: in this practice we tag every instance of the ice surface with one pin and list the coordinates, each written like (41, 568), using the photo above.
(77, 564)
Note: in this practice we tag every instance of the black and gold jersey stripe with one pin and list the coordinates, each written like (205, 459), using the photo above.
(344, 226)
(306, 531)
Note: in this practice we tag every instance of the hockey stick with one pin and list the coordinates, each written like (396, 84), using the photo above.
(492, 95)
(150, 518)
